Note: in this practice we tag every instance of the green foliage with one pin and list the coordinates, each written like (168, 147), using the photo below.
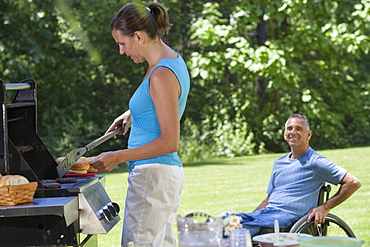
(67, 47)
(309, 63)
(252, 63)
(222, 138)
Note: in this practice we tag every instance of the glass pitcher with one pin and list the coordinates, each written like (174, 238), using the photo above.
(206, 232)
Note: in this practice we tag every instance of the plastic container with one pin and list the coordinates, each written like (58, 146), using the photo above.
(285, 239)
(195, 232)
(330, 241)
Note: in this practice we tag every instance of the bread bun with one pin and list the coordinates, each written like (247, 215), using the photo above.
(92, 170)
(13, 180)
(81, 164)
(77, 171)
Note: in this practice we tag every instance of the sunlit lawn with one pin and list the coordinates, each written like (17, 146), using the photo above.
(240, 183)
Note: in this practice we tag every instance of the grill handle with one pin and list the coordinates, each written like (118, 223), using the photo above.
(17, 86)
(23, 85)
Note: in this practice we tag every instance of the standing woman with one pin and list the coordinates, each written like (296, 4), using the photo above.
(155, 175)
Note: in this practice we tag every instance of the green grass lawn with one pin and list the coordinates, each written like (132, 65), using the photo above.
(240, 183)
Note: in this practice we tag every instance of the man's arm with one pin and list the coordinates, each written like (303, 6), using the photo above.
(348, 185)
(263, 203)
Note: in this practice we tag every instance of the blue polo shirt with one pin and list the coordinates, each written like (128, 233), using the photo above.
(295, 183)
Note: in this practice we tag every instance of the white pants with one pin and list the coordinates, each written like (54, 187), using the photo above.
(153, 197)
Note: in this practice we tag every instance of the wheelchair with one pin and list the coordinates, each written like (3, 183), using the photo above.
(332, 227)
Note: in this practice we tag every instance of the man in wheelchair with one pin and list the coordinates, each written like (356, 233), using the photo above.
(295, 183)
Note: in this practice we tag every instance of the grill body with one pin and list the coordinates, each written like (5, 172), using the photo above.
(72, 215)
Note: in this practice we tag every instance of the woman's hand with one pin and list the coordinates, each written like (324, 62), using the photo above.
(105, 162)
(123, 120)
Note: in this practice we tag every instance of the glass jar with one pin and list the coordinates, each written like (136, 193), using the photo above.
(240, 237)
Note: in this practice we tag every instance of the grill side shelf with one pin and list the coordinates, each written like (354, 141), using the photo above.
(66, 207)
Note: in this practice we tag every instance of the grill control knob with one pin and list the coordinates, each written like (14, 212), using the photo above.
(108, 213)
(116, 207)
(102, 216)
(113, 209)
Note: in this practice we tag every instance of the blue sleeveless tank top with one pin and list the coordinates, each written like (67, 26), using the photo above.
(145, 126)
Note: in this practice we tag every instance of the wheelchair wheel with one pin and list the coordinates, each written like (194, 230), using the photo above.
(333, 227)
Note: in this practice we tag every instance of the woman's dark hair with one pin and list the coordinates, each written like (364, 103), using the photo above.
(133, 17)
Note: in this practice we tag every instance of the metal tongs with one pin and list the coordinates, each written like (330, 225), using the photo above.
(72, 157)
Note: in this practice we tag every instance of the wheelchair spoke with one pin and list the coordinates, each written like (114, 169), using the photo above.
(319, 231)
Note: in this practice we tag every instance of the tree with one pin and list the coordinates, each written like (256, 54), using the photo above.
(307, 64)
(252, 63)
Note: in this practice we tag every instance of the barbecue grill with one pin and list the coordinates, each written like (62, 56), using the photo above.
(72, 215)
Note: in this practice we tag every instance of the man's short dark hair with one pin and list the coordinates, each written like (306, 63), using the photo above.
(301, 117)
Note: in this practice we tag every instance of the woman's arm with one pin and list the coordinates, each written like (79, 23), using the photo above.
(165, 90)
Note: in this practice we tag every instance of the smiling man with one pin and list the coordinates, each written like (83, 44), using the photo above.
(296, 180)
(297, 133)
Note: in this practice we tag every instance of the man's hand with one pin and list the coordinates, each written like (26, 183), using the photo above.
(319, 213)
